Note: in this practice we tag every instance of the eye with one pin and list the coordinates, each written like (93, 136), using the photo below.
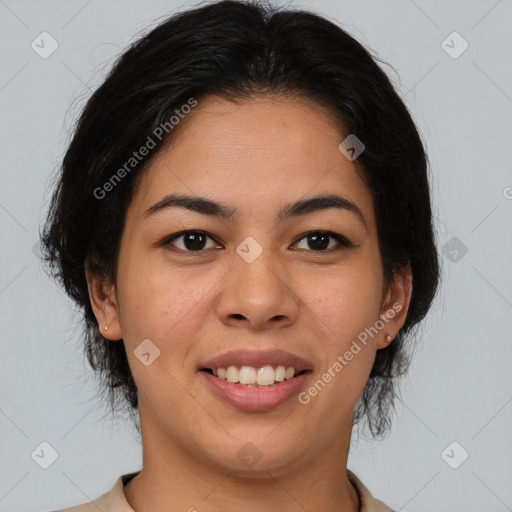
(319, 241)
(193, 241)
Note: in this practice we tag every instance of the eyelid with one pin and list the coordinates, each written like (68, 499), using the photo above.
(171, 238)
(342, 241)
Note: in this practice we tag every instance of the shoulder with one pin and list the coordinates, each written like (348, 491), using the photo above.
(86, 507)
(111, 501)
(368, 502)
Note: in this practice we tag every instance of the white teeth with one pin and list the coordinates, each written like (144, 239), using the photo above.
(266, 376)
(251, 376)
(280, 373)
(232, 374)
(290, 372)
(247, 375)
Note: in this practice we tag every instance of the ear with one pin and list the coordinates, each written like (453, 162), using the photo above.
(395, 304)
(104, 304)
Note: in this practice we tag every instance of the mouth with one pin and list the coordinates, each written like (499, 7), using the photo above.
(252, 376)
(255, 381)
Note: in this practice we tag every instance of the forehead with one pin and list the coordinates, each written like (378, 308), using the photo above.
(257, 153)
(264, 122)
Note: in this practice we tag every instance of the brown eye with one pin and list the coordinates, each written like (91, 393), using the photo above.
(319, 241)
(192, 241)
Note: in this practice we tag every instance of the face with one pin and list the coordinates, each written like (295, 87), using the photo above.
(261, 277)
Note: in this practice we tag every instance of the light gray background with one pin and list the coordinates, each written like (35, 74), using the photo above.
(460, 385)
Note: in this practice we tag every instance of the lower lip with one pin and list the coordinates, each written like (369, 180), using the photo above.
(253, 398)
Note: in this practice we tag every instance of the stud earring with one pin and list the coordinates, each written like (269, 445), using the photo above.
(388, 338)
(106, 328)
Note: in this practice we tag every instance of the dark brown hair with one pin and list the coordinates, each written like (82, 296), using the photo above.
(241, 50)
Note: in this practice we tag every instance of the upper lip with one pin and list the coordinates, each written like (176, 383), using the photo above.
(257, 358)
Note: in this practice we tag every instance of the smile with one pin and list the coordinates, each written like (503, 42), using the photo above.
(263, 376)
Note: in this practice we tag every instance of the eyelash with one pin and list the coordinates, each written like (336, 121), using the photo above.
(343, 242)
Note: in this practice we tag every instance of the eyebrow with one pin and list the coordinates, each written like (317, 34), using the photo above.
(227, 212)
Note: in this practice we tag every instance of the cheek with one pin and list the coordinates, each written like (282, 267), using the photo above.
(346, 301)
(166, 308)
(164, 304)
(349, 352)
(345, 308)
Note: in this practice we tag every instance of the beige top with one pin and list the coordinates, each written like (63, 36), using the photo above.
(115, 500)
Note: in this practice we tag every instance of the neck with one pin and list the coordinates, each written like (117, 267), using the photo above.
(174, 479)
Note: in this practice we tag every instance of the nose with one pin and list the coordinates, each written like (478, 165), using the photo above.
(258, 295)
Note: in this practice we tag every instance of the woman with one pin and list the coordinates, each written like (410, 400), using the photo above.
(244, 217)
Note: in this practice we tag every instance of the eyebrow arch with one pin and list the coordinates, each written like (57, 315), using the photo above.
(224, 211)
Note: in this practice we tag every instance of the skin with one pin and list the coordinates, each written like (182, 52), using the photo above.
(254, 155)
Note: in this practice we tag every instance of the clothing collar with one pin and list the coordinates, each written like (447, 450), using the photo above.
(115, 499)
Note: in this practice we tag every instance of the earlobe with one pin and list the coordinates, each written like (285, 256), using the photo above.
(104, 304)
(395, 306)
